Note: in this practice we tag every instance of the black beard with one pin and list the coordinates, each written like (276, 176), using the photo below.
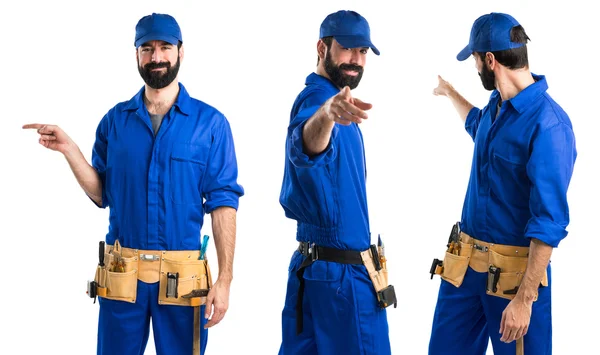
(158, 80)
(488, 78)
(337, 76)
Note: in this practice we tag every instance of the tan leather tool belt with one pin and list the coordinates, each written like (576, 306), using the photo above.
(505, 265)
(181, 271)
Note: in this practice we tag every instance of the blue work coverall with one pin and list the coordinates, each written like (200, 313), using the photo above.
(158, 189)
(522, 165)
(326, 195)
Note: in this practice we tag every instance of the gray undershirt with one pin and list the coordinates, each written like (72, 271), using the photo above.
(497, 110)
(156, 121)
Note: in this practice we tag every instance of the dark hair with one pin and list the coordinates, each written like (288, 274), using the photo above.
(514, 58)
(179, 44)
(328, 41)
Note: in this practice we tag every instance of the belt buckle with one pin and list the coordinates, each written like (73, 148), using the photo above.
(303, 248)
(149, 257)
(481, 248)
(313, 252)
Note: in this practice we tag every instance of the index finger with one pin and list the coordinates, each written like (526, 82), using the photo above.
(353, 109)
(33, 125)
(502, 321)
(216, 318)
(362, 105)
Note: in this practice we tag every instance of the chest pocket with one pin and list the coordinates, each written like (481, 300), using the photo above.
(510, 160)
(188, 165)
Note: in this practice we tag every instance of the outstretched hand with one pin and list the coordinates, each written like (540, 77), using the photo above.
(443, 88)
(51, 136)
(345, 109)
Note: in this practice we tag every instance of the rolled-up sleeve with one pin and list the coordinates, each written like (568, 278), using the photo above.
(295, 143)
(472, 121)
(550, 168)
(220, 187)
(99, 156)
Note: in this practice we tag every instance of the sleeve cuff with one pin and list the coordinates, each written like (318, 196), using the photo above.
(545, 230)
(209, 207)
(472, 121)
(222, 199)
(104, 197)
(301, 160)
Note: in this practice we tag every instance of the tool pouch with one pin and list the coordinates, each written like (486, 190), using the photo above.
(178, 277)
(117, 279)
(506, 273)
(456, 259)
(454, 267)
(386, 295)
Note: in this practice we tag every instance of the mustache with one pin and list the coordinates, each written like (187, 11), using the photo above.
(151, 66)
(352, 67)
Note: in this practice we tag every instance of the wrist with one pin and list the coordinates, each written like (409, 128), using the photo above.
(71, 150)
(225, 277)
(327, 119)
(526, 295)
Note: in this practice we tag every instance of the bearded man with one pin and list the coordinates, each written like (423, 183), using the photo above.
(160, 161)
(337, 292)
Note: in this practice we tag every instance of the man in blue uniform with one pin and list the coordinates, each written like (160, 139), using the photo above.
(515, 211)
(331, 305)
(160, 162)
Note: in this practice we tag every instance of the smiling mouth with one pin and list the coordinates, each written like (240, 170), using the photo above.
(351, 72)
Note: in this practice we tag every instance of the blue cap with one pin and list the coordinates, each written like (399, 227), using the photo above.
(157, 27)
(350, 29)
(490, 33)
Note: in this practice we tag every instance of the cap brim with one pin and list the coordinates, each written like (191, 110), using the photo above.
(465, 53)
(356, 42)
(157, 37)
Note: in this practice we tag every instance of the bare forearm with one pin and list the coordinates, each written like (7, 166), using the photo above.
(461, 104)
(86, 175)
(539, 257)
(317, 133)
(224, 229)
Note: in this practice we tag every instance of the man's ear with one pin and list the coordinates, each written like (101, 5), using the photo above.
(321, 49)
(490, 60)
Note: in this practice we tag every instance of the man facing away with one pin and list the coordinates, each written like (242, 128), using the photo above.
(497, 267)
(160, 162)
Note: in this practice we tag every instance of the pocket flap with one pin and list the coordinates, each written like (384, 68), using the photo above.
(193, 153)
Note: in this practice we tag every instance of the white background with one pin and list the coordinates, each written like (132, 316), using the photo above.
(69, 63)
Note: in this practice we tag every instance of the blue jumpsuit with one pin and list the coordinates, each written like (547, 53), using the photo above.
(522, 165)
(326, 195)
(158, 189)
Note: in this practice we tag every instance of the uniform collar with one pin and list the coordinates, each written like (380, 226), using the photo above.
(316, 79)
(182, 103)
(530, 93)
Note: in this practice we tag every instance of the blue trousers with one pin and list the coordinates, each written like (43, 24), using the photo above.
(123, 327)
(340, 312)
(466, 318)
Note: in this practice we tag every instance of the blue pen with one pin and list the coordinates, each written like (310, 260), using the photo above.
(203, 246)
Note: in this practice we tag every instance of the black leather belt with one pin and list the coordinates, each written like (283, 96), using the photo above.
(313, 253)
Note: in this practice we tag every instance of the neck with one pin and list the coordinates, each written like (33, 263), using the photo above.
(159, 101)
(511, 82)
